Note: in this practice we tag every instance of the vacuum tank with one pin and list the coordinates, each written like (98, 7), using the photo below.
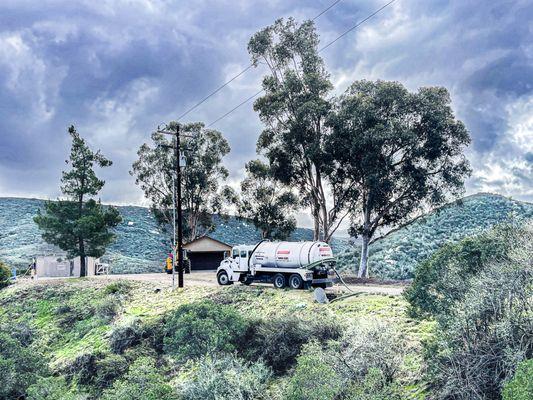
(290, 254)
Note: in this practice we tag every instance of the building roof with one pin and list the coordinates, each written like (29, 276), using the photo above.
(206, 244)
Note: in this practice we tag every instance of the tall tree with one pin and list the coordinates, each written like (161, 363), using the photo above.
(80, 225)
(400, 151)
(202, 195)
(267, 203)
(294, 109)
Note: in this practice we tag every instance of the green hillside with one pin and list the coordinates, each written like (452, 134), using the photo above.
(396, 255)
(139, 247)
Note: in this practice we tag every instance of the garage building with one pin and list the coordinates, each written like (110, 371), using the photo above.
(206, 253)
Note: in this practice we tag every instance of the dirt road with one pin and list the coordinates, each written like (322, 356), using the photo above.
(208, 278)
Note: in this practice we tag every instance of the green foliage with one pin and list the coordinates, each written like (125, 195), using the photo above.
(20, 367)
(266, 203)
(397, 254)
(121, 287)
(374, 386)
(51, 388)
(80, 228)
(294, 109)
(397, 151)
(313, 377)
(225, 377)
(480, 339)
(278, 341)
(109, 369)
(5, 275)
(142, 382)
(443, 279)
(156, 166)
(199, 328)
(125, 336)
(521, 386)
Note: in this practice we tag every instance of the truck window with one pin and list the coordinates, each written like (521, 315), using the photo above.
(235, 253)
(243, 253)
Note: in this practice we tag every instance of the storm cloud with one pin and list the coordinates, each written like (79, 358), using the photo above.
(117, 69)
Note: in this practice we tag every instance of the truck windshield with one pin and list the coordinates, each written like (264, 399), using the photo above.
(235, 253)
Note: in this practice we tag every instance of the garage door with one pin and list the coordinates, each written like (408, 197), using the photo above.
(209, 260)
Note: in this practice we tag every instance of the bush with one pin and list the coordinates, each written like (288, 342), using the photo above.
(51, 388)
(521, 386)
(198, 328)
(123, 337)
(374, 386)
(482, 340)
(314, 378)
(370, 346)
(225, 377)
(279, 341)
(121, 287)
(20, 367)
(442, 280)
(109, 369)
(142, 382)
(5, 275)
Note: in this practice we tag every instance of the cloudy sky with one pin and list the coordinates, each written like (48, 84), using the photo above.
(118, 68)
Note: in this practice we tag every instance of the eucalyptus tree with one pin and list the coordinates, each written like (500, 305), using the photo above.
(294, 109)
(202, 194)
(80, 225)
(267, 203)
(398, 151)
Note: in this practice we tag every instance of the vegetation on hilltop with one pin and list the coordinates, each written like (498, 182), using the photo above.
(397, 254)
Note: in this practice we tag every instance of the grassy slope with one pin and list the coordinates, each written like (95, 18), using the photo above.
(42, 307)
(396, 255)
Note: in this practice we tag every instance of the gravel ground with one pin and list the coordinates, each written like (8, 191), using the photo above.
(208, 278)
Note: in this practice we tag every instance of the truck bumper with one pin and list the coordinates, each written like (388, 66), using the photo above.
(327, 281)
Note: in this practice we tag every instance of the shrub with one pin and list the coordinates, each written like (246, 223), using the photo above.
(313, 377)
(123, 337)
(482, 340)
(198, 328)
(20, 367)
(374, 386)
(5, 275)
(51, 388)
(279, 341)
(225, 377)
(370, 346)
(109, 369)
(107, 308)
(442, 280)
(521, 386)
(119, 287)
(142, 382)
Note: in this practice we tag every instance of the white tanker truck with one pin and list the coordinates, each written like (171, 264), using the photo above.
(294, 264)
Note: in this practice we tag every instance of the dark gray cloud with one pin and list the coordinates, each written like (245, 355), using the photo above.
(116, 69)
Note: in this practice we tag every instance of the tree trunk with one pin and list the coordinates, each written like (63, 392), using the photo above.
(363, 265)
(83, 267)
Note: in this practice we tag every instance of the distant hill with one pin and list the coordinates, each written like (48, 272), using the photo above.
(139, 246)
(396, 255)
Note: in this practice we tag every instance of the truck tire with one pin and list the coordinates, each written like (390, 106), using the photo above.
(279, 281)
(223, 278)
(295, 281)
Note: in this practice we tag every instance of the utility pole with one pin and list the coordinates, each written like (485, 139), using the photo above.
(179, 213)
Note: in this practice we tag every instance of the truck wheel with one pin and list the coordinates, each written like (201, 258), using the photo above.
(223, 278)
(295, 281)
(279, 281)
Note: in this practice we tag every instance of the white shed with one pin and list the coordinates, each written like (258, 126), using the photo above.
(60, 266)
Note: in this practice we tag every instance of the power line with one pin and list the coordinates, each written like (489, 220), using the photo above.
(322, 48)
(244, 70)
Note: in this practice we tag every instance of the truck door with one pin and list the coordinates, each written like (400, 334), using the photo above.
(243, 260)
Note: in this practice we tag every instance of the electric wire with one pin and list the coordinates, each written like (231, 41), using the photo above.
(243, 71)
(321, 49)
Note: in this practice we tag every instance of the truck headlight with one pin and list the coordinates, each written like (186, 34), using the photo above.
(308, 276)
